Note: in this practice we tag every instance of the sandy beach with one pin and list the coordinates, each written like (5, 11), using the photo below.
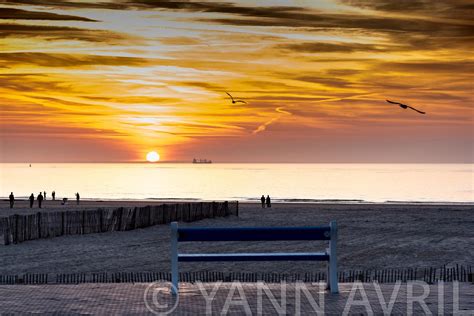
(371, 236)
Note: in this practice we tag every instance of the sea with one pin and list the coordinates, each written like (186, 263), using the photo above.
(297, 183)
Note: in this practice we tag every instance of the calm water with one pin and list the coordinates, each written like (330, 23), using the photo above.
(367, 182)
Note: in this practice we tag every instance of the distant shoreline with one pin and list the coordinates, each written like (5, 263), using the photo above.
(93, 201)
(244, 162)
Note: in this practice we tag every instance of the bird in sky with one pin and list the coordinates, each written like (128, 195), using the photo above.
(404, 106)
(235, 101)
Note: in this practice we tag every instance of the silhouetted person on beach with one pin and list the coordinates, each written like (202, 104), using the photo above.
(77, 198)
(12, 200)
(32, 200)
(53, 194)
(269, 202)
(40, 199)
(44, 194)
(262, 199)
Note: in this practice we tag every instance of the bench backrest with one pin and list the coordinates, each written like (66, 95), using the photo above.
(201, 234)
(254, 233)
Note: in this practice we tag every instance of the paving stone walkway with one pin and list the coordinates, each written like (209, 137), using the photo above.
(236, 299)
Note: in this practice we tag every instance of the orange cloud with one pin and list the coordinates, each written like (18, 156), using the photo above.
(145, 75)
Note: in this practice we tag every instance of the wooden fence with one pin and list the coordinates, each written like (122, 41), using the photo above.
(19, 228)
(429, 275)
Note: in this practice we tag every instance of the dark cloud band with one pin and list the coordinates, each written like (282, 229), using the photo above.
(61, 33)
(18, 14)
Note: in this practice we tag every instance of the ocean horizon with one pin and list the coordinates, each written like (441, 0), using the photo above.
(284, 182)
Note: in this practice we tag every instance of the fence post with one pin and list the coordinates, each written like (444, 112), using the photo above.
(174, 258)
(332, 277)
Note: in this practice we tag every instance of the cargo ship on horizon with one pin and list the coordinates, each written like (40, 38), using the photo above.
(201, 160)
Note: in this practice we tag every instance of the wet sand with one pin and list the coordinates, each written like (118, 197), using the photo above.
(371, 236)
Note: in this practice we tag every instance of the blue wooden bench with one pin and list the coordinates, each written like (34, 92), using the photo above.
(255, 234)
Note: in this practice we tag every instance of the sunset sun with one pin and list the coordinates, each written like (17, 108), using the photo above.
(152, 156)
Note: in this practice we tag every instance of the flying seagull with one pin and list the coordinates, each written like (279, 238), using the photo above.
(404, 106)
(235, 101)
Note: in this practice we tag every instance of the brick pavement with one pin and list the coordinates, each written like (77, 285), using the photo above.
(107, 299)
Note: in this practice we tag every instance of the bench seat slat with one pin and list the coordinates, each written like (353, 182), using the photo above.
(254, 233)
(281, 256)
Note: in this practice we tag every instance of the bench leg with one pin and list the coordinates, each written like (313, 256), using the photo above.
(328, 274)
(332, 275)
(332, 266)
(174, 258)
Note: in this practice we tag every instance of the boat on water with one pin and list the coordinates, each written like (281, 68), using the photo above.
(201, 160)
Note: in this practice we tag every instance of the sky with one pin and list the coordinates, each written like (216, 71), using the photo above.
(110, 81)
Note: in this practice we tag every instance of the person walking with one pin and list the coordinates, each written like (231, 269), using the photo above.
(53, 194)
(78, 197)
(12, 200)
(40, 199)
(269, 202)
(32, 200)
(262, 199)
(44, 195)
